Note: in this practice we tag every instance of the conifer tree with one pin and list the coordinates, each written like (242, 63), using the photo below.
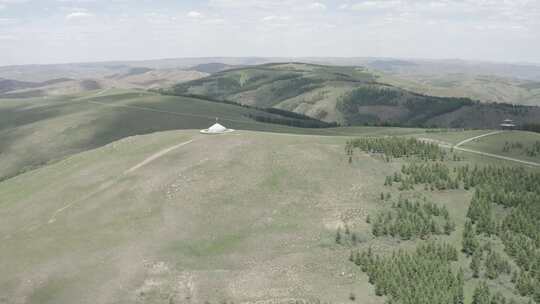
(476, 262)
(470, 244)
(338, 236)
(481, 294)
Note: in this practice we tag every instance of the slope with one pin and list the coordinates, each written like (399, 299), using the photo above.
(486, 88)
(246, 217)
(349, 96)
(221, 218)
(35, 131)
(303, 88)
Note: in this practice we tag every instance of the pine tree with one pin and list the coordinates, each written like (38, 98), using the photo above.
(476, 262)
(498, 298)
(481, 294)
(470, 244)
(523, 284)
(449, 227)
(494, 265)
(338, 236)
(460, 295)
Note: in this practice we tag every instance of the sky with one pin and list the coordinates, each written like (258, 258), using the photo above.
(59, 31)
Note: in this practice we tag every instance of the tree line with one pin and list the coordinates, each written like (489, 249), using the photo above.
(397, 147)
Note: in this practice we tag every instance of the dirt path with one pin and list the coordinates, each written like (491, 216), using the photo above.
(157, 155)
(104, 186)
(457, 148)
(530, 163)
(108, 184)
(476, 137)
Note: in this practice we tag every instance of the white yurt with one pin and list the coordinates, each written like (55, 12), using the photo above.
(216, 129)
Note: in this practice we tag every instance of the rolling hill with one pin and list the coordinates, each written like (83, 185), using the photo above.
(486, 88)
(349, 96)
(36, 131)
(247, 217)
(483, 81)
(131, 78)
(113, 195)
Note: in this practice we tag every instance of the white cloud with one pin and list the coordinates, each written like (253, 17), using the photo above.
(317, 6)
(275, 18)
(269, 18)
(496, 29)
(260, 4)
(13, 1)
(4, 3)
(7, 37)
(371, 5)
(7, 21)
(194, 14)
(77, 1)
(78, 15)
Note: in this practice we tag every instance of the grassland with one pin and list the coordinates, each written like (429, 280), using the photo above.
(522, 143)
(247, 217)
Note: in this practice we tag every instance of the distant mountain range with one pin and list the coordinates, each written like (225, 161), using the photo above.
(343, 90)
(348, 96)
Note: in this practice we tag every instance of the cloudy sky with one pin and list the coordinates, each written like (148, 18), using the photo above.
(50, 31)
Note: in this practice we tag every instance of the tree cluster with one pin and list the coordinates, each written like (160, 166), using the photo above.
(532, 151)
(434, 176)
(518, 192)
(483, 295)
(422, 277)
(411, 219)
(509, 146)
(398, 147)
(346, 237)
(492, 264)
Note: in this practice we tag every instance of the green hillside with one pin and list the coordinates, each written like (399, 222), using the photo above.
(114, 196)
(246, 217)
(349, 96)
(35, 131)
(486, 88)
(303, 88)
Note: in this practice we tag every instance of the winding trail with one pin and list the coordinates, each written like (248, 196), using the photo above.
(530, 163)
(476, 137)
